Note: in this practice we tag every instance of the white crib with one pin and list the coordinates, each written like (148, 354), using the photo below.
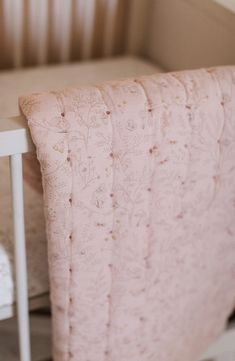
(15, 138)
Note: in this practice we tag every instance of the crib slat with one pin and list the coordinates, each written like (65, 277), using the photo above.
(17, 8)
(62, 28)
(65, 34)
(38, 25)
(137, 26)
(20, 257)
(111, 13)
(88, 28)
(42, 30)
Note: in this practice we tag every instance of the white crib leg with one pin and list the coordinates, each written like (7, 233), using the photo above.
(20, 257)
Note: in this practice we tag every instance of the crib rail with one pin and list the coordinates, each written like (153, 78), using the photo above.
(14, 137)
(14, 141)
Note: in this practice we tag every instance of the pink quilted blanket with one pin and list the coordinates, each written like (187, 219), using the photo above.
(139, 190)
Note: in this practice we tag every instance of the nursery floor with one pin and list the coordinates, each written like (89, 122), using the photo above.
(40, 337)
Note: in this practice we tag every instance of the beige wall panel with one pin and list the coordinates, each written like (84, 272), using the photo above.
(190, 34)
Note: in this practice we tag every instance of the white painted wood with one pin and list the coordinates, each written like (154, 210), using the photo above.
(14, 136)
(20, 257)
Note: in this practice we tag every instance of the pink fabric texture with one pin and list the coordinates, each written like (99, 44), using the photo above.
(139, 193)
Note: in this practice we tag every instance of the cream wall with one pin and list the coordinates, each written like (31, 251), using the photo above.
(190, 34)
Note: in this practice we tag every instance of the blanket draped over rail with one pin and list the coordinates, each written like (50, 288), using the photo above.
(139, 193)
